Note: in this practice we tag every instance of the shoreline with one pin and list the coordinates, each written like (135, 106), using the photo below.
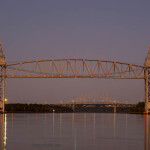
(76, 108)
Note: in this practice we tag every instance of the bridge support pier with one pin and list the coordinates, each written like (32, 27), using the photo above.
(2, 80)
(2, 94)
(147, 94)
(147, 82)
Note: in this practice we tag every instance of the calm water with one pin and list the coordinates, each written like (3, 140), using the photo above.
(69, 131)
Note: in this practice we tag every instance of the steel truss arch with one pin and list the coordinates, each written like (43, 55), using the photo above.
(74, 68)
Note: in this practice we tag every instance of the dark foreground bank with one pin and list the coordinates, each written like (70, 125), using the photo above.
(66, 108)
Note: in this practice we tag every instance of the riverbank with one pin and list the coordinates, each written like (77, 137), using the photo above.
(138, 109)
(69, 108)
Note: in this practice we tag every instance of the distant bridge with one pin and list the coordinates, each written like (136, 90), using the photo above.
(93, 98)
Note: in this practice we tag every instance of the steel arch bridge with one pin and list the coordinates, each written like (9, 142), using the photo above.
(74, 68)
(94, 98)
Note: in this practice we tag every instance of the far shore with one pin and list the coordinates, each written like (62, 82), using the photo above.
(75, 108)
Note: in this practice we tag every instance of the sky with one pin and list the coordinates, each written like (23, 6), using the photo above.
(97, 29)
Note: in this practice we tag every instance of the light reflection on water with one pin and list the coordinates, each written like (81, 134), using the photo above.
(3, 131)
(74, 131)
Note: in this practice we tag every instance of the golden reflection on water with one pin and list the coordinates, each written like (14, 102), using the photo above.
(146, 132)
(3, 131)
(3, 128)
(73, 125)
(74, 133)
(114, 124)
(53, 123)
(126, 125)
(94, 126)
(84, 124)
(12, 119)
(60, 124)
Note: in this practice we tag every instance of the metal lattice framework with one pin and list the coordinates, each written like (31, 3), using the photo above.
(74, 68)
(2, 79)
(2, 87)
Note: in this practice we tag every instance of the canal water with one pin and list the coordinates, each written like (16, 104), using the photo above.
(74, 131)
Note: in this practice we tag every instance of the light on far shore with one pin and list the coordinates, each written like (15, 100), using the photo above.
(5, 100)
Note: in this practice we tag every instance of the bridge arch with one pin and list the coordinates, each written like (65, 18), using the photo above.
(74, 68)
